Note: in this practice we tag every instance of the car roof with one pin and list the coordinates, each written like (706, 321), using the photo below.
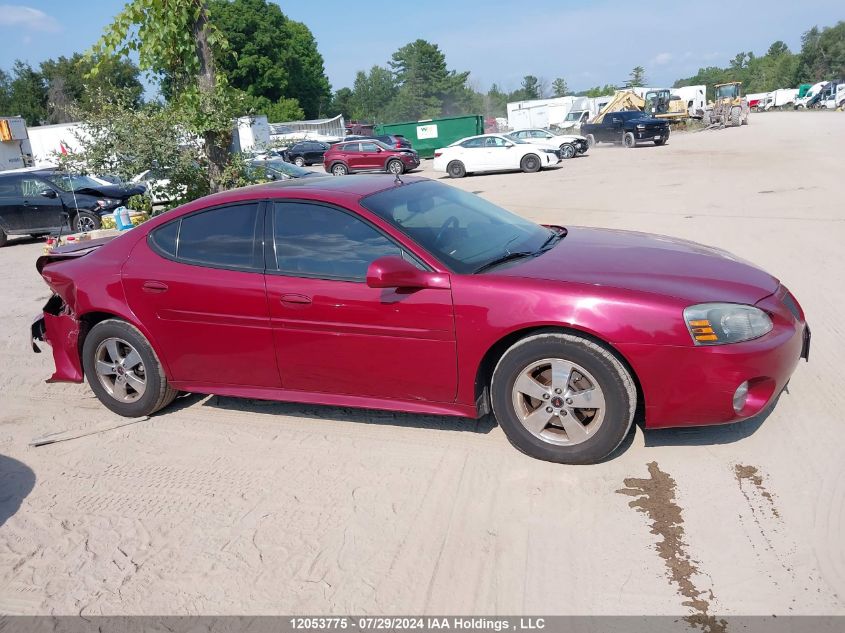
(40, 171)
(350, 188)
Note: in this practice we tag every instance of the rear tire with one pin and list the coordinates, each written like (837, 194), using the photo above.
(456, 169)
(299, 161)
(339, 169)
(629, 140)
(568, 434)
(530, 163)
(707, 119)
(3, 238)
(567, 150)
(146, 367)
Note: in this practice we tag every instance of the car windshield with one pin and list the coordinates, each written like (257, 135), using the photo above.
(72, 182)
(461, 229)
(516, 140)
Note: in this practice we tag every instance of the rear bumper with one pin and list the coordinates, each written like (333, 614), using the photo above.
(61, 331)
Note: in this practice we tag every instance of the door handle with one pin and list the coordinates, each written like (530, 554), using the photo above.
(154, 286)
(295, 298)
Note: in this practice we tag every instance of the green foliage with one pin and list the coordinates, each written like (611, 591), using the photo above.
(342, 103)
(636, 78)
(822, 54)
(559, 87)
(141, 203)
(271, 56)
(372, 94)
(24, 93)
(283, 109)
(598, 91)
(426, 88)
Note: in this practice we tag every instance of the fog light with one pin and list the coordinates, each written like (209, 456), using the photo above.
(740, 396)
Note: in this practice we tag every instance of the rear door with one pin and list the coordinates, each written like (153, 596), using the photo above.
(197, 284)
(11, 203)
(352, 156)
(473, 154)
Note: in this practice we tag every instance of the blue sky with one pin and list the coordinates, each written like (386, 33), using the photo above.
(589, 42)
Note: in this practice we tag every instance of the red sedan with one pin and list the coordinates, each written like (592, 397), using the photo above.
(417, 296)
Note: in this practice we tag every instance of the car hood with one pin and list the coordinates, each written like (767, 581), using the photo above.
(648, 120)
(648, 263)
(121, 192)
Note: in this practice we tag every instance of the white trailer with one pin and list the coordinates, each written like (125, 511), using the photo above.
(15, 150)
(694, 98)
(48, 141)
(781, 98)
(541, 113)
(251, 134)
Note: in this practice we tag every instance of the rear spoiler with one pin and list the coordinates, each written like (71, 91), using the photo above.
(70, 251)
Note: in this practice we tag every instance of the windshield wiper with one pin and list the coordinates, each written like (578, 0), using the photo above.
(501, 260)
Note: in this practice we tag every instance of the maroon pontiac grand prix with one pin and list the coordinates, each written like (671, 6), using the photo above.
(417, 296)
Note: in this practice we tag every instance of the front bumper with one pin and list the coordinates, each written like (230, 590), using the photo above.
(650, 135)
(694, 386)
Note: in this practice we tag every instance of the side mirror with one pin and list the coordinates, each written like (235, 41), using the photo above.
(395, 272)
(49, 193)
(508, 145)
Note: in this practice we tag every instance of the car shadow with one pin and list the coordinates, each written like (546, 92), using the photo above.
(484, 424)
(16, 482)
(708, 435)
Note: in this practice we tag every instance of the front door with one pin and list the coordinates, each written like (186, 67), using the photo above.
(42, 206)
(334, 334)
(197, 283)
(371, 156)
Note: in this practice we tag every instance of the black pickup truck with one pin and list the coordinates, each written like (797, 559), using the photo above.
(629, 128)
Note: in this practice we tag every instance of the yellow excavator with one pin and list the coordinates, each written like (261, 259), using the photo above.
(622, 100)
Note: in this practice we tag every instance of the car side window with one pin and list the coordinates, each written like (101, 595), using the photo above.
(495, 141)
(521, 134)
(369, 147)
(9, 187)
(163, 239)
(224, 237)
(473, 143)
(33, 186)
(352, 147)
(312, 240)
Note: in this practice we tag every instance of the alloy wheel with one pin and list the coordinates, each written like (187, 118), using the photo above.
(85, 224)
(558, 401)
(120, 370)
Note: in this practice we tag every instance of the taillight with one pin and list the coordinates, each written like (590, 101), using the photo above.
(438, 154)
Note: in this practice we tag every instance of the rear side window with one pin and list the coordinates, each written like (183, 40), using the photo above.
(163, 239)
(8, 187)
(224, 237)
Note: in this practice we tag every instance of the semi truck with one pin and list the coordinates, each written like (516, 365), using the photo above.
(15, 149)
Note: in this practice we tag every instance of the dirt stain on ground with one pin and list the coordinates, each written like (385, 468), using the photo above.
(752, 475)
(655, 497)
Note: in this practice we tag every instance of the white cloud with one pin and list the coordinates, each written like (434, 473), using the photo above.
(17, 15)
(661, 59)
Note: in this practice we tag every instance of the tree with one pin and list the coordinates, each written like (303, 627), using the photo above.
(69, 83)
(26, 94)
(426, 88)
(822, 54)
(372, 94)
(175, 38)
(342, 103)
(559, 87)
(530, 87)
(636, 78)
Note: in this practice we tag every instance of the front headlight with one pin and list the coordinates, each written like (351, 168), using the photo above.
(105, 203)
(720, 323)
(640, 126)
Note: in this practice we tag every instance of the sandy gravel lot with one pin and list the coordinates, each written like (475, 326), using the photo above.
(226, 506)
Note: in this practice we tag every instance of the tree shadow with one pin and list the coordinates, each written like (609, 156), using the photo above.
(16, 481)
(706, 435)
(484, 424)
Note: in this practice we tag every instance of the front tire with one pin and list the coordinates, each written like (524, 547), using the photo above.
(735, 117)
(591, 141)
(299, 161)
(396, 167)
(456, 169)
(563, 398)
(123, 370)
(3, 238)
(629, 140)
(339, 169)
(86, 221)
(530, 163)
(567, 151)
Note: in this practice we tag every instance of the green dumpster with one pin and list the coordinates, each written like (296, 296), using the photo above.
(431, 134)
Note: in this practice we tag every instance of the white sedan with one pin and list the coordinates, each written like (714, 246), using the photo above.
(493, 152)
(570, 144)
